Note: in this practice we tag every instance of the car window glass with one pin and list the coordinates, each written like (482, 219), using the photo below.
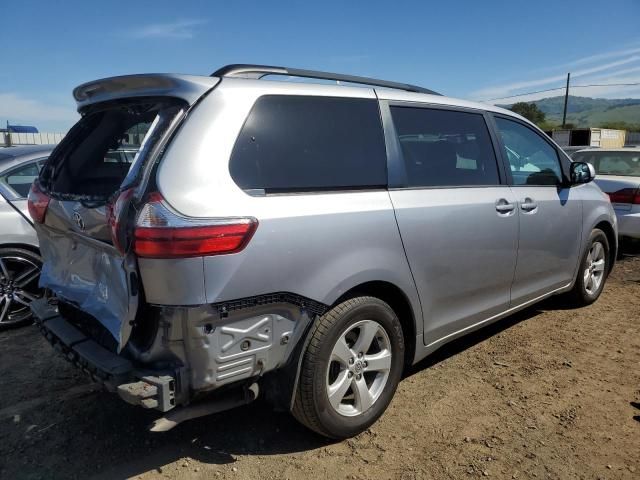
(445, 147)
(21, 178)
(112, 156)
(89, 159)
(129, 155)
(300, 143)
(532, 160)
(616, 163)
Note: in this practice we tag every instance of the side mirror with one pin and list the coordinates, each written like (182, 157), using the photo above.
(582, 172)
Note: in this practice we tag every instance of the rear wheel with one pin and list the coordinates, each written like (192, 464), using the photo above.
(593, 271)
(19, 275)
(351, 368)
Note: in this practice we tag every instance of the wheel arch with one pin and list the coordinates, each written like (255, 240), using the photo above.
(24, 246)
(398, 301)
(609, 231)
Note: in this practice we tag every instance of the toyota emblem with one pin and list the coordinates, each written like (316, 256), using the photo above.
(79, 221)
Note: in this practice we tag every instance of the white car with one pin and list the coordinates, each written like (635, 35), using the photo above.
(618, 173)
(20, 261)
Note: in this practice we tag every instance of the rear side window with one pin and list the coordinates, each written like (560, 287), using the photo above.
(303, 143)
(445, 147)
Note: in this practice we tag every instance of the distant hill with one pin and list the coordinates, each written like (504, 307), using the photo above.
(590, 112)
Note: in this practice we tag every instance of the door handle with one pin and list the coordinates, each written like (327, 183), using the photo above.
(528, 205)
(503, 206)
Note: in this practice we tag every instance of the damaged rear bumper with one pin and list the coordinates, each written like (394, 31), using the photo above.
(192, 351)
(114, 372)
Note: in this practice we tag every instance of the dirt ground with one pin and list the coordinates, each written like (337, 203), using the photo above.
(543, 394)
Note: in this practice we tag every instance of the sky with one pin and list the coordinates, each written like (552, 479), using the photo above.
(478, 50)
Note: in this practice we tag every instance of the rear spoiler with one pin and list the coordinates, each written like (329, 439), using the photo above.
(186, 87)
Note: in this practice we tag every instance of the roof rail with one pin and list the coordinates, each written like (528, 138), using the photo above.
(259, 71)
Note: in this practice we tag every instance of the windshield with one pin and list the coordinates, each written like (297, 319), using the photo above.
(625, 164)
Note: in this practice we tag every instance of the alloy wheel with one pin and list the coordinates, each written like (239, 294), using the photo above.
(359, 368)
(595, 268)
(18, 288)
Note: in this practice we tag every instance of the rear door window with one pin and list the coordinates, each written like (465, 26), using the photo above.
(295, 143)
(445, 148)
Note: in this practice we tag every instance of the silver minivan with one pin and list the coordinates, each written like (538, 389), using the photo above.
(302, 242)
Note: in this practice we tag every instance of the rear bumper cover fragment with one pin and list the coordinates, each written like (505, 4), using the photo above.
(102, 365)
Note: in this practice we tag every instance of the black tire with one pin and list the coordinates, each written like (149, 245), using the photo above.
(13, 259)
(580, 295)
(312, 407)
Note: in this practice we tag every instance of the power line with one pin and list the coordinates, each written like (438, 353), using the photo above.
(606, 85)
(523, 94)
(562, 88)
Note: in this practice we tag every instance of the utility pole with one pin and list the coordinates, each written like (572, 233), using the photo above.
(566, 100)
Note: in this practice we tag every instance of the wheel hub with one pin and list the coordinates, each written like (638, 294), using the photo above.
(358, 367)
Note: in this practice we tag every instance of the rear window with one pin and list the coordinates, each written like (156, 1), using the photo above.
(305, 143)
(105, 147)
(626, 164)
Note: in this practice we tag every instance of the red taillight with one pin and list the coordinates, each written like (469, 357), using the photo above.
(626, 195)
(166, 242)
(161, 233)
(37, 203)
(114, 213)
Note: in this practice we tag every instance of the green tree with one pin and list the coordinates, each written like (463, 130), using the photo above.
(530, 111)
(616, 125)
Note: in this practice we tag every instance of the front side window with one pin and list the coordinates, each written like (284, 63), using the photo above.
(303, 143)
(445, 147)
(532, 160)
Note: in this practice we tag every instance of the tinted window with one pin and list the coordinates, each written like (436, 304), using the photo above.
(532, 160)
(612, 163)
(21, 178)
(291, 143)
(445, 148)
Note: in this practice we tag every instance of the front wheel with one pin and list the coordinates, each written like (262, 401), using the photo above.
(351, 368)
(593, 271)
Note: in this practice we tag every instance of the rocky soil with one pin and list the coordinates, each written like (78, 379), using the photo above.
(543, 394)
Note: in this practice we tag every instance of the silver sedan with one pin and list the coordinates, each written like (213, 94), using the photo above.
(619, 177)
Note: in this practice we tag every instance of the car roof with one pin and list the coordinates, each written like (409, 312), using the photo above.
(191, 87)
(384, 89)
(362, 91)
(13, 156)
